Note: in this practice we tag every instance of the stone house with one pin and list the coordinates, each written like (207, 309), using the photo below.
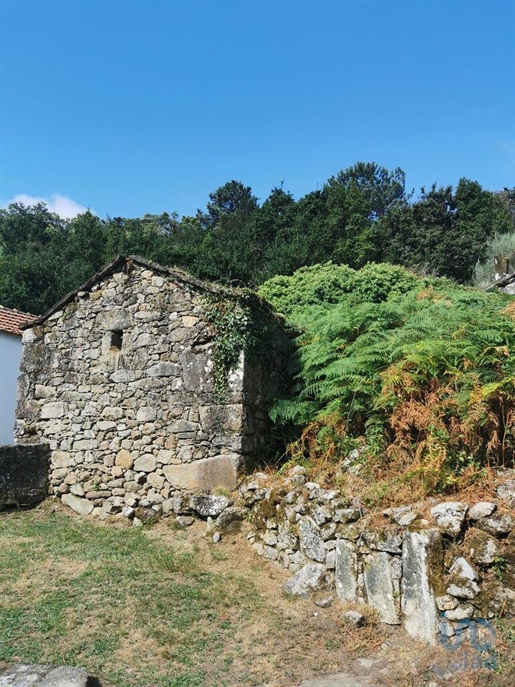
(10, 352)
(122, 379)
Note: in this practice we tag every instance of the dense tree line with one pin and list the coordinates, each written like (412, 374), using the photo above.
(363, 214)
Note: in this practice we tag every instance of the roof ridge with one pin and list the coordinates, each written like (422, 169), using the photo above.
(175, 272)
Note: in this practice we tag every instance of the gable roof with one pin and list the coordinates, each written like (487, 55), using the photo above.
(174, 272)
(11, 321)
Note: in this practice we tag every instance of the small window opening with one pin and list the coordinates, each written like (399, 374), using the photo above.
(117, 339)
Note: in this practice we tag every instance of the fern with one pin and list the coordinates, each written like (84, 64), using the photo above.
(421, 366)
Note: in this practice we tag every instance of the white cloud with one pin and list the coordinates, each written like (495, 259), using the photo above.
(61, 205)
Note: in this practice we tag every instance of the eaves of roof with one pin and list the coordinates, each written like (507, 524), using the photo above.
(13, 321)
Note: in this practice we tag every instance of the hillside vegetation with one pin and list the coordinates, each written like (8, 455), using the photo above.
(362, 214)
(402, 378)
(411, 371)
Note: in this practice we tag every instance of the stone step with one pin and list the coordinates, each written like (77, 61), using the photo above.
(27, 675)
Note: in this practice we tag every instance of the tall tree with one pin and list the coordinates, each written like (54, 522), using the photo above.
(233, 198)
(445, 231)
(225, 223)
(30, 267)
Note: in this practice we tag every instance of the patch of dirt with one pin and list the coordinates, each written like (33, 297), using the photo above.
(290, 640)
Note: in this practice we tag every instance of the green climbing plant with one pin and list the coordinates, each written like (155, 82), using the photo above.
(232, 321)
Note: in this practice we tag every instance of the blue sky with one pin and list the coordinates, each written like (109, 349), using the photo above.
(130, 107)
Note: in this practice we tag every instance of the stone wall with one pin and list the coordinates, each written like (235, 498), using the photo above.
(433, 574)
(23, 475)
(119, 383)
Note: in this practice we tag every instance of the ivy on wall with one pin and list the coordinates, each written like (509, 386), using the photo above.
(245, 323)
(232, 322)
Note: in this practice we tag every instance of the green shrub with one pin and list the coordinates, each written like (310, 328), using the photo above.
(420, 371)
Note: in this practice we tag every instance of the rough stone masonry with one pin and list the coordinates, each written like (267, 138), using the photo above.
(440, 576)
(118, 379)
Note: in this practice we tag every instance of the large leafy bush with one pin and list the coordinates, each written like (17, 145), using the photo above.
(415, 372)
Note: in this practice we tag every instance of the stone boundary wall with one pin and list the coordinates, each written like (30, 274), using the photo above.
(23, 474)
(440, 572)
(431, 574)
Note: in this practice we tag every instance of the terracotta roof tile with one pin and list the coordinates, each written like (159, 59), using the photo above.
(11, 320)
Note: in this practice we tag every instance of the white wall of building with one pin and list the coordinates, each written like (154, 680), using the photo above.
(10, 354)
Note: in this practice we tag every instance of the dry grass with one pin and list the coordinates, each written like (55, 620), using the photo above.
(163, 607)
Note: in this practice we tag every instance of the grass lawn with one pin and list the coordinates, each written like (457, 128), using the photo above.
(162, 607)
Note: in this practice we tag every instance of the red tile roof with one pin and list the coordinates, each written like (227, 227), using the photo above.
(11, 320)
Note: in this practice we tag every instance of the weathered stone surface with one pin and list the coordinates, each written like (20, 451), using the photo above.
(460, 612)
(403, 516)
(63, 459)
(345, 515)
(154, 480)
(145, 463)
(499, 524)
(462, 568)
(205, 474)
(23, 675)
(481, 510)
(482, 548)
(53, 410)
(365, 574)
(24, 472)
(325, 603)
(449, 516)
(354, 618)
(309, 578)
(506, 490)
(298, 560)
(346, 570)
(270, 538)
(385, 540)
(95, 495)
(311, 543)
(65, 677)
(163, 370)
(230, 519)
(446, 602)
(421, 557)
(463, 589)
(330, 560)
(124, 459)
(185, 520)
(114, 318)
(406, 519)
(183, 427)
(78, 504)
(26, 675)
(208, 505)
(194, 367)
(382, 585)
(121, 376)
(219, 419)
(321, 515)
(125, 371)
(146, 414)
(106, 425)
